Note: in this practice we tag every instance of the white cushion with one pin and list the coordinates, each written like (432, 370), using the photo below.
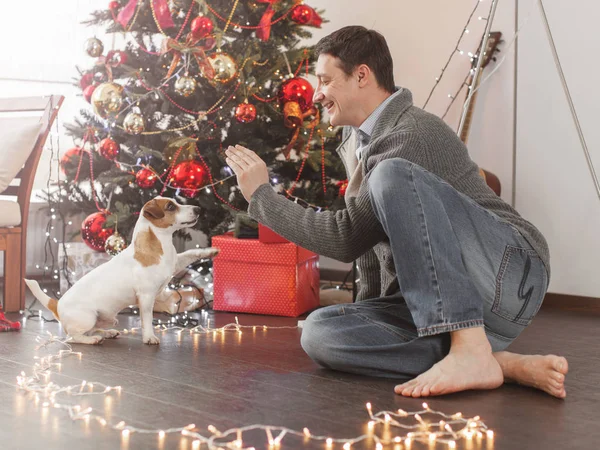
(10, 213)
(17, 138)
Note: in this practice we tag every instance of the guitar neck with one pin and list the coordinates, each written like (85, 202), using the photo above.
(464, 135)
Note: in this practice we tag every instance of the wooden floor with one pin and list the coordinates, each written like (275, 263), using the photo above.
(264, 377)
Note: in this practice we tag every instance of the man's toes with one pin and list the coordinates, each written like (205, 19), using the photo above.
(562, 394)
(417, 391)
(407, 390)
(558, 377)
(435, 389)
(561, 365)
(556, 391)
(400, 387)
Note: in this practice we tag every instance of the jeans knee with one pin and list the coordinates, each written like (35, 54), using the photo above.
(386, 175)
(317, 338)
(312, 336)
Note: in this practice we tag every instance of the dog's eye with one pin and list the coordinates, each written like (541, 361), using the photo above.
(170, 207)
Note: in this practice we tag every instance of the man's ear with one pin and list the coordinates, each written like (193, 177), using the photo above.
(363, 73)
(152, 210)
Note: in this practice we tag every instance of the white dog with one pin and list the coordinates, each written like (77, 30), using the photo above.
(134, 276)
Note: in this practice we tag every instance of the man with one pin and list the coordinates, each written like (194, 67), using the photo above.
(449, 273)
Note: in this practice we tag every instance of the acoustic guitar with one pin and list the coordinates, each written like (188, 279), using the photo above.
(488, 55)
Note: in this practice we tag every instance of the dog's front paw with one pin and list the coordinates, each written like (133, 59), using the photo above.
(203, 253)
(151, 340)
(211, 252)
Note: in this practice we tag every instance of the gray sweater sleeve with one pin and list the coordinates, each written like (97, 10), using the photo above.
(369, 276)
(342, 235)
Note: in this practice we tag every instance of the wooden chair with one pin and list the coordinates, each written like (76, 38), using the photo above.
(13, 239)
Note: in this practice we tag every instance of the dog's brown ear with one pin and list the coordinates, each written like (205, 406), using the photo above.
(152, 210)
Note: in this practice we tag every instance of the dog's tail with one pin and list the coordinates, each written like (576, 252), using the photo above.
(48, 302)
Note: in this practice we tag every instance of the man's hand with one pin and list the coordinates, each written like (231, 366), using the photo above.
(251, 171)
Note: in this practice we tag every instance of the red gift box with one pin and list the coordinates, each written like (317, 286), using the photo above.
(253, 277)
(268, 236)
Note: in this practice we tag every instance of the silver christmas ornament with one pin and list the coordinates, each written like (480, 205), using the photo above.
(94, 47)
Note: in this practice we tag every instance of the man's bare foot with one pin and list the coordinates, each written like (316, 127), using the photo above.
(469, 365)
(544, 372)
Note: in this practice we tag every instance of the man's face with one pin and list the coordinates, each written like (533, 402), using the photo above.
(336, 91)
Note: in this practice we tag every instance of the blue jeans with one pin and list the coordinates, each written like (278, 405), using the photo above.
(458, 266)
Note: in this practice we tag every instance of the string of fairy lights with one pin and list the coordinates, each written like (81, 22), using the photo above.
(456, 50)
(454, 96)
(384, 428)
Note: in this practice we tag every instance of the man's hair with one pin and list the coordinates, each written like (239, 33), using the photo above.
(355, 45)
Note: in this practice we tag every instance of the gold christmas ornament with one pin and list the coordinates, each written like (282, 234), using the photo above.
(133, 123)
(107, 99)
(185, 86)
(115, 244)
(224, 66)
(94, 47)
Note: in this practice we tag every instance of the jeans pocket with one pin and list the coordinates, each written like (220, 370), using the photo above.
(520, 285)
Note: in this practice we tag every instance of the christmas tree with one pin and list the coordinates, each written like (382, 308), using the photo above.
(194, 77)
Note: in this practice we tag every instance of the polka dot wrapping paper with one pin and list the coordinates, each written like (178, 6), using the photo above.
(258, 278)
(268, 236)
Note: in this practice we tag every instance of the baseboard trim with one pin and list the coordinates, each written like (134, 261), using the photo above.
(335, 275)
(565, 301)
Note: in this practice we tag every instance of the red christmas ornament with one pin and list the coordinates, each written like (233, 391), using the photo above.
(109, 149)
(88, 92)
(116, 57)
(70, 158)
(245, 112)
(201, 27)
(93, 233)
(305, 15)
(86, 80)
(297, 90)
(343, 185)
(188, 176)
(302, 14)
(145, 178)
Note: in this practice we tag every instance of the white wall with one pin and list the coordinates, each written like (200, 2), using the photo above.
(553, 184)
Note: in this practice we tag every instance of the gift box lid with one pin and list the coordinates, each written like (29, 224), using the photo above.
(252, 250)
